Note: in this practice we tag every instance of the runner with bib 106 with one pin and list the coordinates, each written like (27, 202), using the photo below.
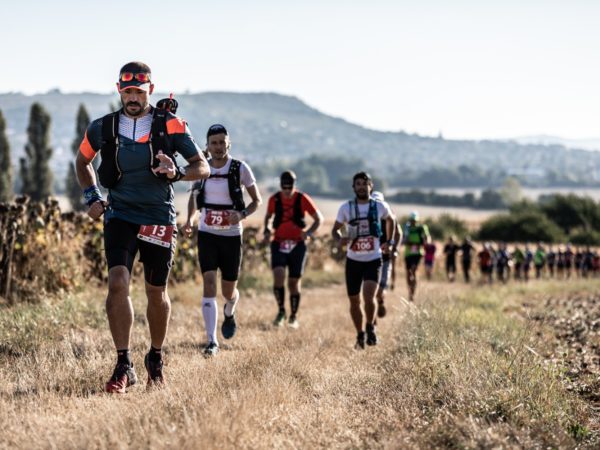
(362, 220)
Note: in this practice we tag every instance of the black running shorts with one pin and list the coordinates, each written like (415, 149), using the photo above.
(295, 259)
(412, 261)
(358, 271)
(121, 245)
(220, 252)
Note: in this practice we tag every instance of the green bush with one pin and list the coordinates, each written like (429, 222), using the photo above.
(581, 236)
(520, 227)
(447, 225)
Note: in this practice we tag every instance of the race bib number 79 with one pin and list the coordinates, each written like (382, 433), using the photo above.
(217, 219)
(157, 234)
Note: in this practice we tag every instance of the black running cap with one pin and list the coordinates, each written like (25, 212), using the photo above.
(217, 128)
(135, 67)
(288, 177)
(362, 176)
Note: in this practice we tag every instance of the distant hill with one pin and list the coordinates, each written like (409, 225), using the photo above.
(268, 128)
(586, 144)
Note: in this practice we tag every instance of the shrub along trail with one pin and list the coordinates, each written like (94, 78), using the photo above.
(463, 367)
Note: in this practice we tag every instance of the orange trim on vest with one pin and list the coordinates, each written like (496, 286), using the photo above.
(176, 126)
(86, 148)
(143, 139)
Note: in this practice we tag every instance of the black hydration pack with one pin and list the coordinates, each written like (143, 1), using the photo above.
(235, 189)
(109, 171)
(297, 218)
(374, 223)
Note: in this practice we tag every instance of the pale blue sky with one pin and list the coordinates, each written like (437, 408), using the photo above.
(472, 69)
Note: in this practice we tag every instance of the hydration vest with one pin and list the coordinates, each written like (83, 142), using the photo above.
(235, 189)
(374, 223)
(414, 235)
(297, 218)
(109, 171)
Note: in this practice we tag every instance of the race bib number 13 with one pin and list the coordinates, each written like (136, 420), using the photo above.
(157, 234)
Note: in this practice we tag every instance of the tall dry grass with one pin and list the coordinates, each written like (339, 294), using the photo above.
(458, 369)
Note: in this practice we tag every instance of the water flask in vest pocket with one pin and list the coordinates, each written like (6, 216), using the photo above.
(352, 231)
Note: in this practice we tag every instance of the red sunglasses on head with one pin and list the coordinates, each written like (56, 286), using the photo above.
(141, 77)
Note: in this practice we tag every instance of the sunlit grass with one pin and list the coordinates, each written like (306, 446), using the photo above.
(457, 369)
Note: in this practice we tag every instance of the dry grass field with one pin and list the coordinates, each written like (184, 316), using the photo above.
(463, 367)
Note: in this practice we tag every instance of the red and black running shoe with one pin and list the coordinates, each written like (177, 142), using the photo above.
(122, 377)
(155, 375)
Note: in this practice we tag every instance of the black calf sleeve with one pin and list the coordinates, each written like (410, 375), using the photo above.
(280, 297)
(295, 302)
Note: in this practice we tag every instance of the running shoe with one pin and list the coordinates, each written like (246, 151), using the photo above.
(122, 377)
(360, 341)
(293, 323)
(280, 319)
(229, 326)
(371, 336)
(155, 375)
(211, 350)
(381, 309)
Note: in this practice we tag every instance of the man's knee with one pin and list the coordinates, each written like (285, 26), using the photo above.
(156, 293)
(118, 281)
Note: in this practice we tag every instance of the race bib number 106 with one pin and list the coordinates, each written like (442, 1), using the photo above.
(157, 234)
(364, 244)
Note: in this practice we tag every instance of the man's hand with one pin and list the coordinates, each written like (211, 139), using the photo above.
(188, 228)
(96, 209)
(235, 217)
(306, 235)
(167, 166)
(266, 236)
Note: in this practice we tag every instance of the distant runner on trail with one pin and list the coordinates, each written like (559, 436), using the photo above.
(467, 249)
(415, 237)
(551, 261)
(518, 258)
(527, 262)
(220, 200)
(539, 260)
(362, 217)
(288, 208)
(137, 144)
(429, 259)
(388, 259)
(502, 262)
(450, 250)
(486, 263)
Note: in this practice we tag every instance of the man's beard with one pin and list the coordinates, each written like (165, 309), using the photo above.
(362, 196)
(139, 112)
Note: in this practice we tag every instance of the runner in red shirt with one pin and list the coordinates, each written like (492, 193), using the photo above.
(288, 245)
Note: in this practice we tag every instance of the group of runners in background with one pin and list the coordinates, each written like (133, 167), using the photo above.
(520, 262)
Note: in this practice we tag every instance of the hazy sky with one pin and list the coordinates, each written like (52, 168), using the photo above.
(471, 69)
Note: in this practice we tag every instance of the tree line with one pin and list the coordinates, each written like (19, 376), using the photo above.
(35, 175)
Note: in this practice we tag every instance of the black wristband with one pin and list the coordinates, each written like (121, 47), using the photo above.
(179, 174)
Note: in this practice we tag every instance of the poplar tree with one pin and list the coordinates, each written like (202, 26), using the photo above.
(35, 173)
(6, 192)
(73, 190)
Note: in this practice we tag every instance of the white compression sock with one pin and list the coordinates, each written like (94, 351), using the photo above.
(230, 305)
(211, 315)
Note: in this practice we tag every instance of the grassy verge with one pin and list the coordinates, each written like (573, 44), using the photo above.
(461, 368)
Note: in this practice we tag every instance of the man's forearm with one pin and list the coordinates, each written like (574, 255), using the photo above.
(196, 170)
(85, 173)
